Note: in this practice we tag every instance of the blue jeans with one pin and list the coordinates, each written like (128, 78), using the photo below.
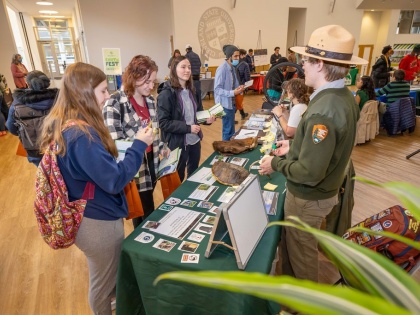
(228, 122)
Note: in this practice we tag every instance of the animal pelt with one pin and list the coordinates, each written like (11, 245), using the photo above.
(235, 146)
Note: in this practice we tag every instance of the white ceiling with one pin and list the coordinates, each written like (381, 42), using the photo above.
(389, 5)
(63, 7)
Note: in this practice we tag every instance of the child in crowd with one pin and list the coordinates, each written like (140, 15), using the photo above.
(365, 91)
(396, 89)
(298, 94)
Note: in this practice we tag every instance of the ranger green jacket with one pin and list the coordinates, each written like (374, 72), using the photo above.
(324, 139)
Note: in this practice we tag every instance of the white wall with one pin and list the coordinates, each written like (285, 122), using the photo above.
(271, 17)
(296, 27)
(136, 27)
(7, 45)
(394, 38)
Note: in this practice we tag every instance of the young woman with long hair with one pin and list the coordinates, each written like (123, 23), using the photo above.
(87, 153)
(178, 106)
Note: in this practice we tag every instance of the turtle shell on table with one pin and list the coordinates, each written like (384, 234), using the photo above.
(235, 146)
(228, 173)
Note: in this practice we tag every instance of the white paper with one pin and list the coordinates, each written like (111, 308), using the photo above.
(238, 161)
(217, 158)
(203, 175)
(246, 133)
(122, 147)
(203, 192)
(227, 194)
(249, 83)
(178, 222)
(253, 118)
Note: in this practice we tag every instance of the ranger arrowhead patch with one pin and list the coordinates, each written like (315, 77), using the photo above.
(319, 133)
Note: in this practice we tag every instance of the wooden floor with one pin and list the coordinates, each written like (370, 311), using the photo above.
(35, 279)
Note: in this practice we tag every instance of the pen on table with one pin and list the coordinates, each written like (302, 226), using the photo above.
(249, 133)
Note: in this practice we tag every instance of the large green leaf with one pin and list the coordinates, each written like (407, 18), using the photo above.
(407, 193)
(365, 269)
(304, 296)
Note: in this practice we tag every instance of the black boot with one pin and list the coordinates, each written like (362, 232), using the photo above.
(243, 114)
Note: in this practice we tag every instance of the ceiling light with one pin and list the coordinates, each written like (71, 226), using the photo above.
(48, 12)
(44, 3)
(53, 16)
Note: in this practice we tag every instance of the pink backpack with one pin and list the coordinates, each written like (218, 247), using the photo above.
(58, 218)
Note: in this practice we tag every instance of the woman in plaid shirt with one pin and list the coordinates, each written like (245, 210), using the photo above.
(131, 108)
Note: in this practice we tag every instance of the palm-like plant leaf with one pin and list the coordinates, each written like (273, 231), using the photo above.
(365, 269)
(304, 296)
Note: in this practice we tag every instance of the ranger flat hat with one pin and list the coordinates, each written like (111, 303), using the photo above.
(331, 43)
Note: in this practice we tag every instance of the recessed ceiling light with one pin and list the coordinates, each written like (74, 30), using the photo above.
(48, 12)
(44, 3)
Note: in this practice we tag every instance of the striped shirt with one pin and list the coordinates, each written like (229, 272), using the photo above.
(394, 91)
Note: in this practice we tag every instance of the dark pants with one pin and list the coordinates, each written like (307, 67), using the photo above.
(146, 197)
(190, 158)
(197, 86)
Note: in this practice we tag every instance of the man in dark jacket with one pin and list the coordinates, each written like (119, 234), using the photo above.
(195, 70)
(38, 98)
(250, 60)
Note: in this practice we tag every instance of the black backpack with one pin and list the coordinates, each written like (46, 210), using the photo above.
(29, 123)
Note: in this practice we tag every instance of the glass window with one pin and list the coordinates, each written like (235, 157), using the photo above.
(409, 22)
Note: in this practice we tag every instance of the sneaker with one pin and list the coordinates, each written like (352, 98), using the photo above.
(244, 116)
(236, 122)
(113, 304)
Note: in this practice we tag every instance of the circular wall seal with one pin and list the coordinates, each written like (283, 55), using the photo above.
(215, 29)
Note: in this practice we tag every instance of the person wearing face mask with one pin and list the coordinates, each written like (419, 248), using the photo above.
(178, 106)
(226, 87)
(19, 72)
(130, 109)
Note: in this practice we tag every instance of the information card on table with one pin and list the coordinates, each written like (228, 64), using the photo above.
(178, 222)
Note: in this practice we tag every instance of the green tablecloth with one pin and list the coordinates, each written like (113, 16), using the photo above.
(140, 264)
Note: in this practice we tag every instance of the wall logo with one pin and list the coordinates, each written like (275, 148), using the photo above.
(215, 29)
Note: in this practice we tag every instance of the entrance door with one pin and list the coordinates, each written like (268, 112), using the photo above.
(50, 65)
(365, 52)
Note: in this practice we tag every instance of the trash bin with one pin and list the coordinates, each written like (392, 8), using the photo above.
(353, 73)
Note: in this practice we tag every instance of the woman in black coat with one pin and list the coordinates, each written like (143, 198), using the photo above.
(177, 110)
(380, 70)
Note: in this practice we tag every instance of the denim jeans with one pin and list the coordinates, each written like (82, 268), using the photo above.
(228, 122)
